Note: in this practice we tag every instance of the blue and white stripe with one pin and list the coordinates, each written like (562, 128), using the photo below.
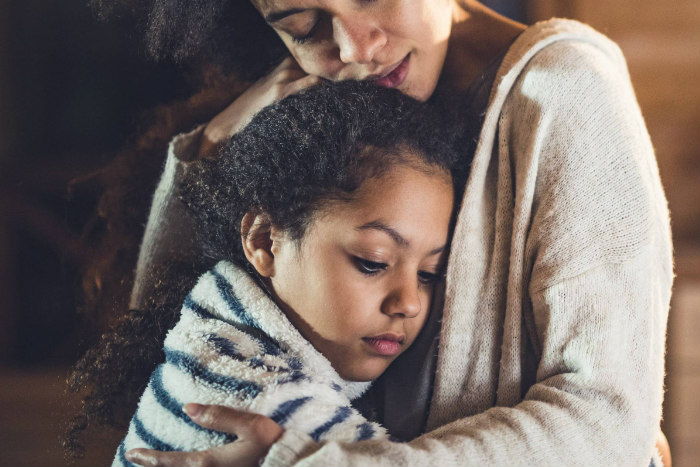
(233, 346)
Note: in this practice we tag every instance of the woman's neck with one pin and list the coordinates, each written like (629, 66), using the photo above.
(479, 35)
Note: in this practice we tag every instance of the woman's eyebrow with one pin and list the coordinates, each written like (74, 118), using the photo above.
(279, 15)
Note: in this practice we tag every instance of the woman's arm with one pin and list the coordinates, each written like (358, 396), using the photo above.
(233, 347)
(256, 433)
(260, 433)
(170, 230)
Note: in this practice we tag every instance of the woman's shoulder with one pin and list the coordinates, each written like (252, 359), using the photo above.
(558, 59)
(578, 142)
(560, 38)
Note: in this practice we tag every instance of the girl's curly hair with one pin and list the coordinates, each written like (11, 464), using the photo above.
(230, 34)
(309, 149)
(313, 147)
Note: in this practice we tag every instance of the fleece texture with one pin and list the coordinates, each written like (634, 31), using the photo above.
(233, 346)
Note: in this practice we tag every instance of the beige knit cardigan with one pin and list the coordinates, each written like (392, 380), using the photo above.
(559, 277)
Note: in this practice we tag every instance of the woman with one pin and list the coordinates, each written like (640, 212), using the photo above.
(558, 283)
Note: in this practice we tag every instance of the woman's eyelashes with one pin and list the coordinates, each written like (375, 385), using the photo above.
(306, 37)
(322, 20)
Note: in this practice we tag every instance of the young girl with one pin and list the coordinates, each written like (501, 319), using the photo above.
(330, 215)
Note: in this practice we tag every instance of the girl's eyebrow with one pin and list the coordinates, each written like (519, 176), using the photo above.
(279, 15)
(382, 227)
(402, 242)
(437, 250)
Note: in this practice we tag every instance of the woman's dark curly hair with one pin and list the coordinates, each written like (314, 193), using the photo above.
(309, 149)
(230, 34)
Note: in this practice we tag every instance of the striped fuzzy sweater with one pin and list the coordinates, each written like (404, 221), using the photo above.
(233, 346)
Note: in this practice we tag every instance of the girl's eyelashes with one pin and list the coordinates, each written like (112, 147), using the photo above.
(368, 267)
(429, 278)
(371, 268)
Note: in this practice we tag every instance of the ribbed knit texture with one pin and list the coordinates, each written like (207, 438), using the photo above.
(233, 346)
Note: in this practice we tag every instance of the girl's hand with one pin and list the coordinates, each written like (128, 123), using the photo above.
(256, 434)
(287, 78)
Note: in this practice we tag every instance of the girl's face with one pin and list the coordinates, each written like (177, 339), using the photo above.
(358, 285)
(397, 43)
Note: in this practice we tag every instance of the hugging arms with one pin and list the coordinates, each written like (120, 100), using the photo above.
(316, 213)
(557, 288)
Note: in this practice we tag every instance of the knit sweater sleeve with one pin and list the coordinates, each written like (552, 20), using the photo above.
(590, 236)
(597, 257)
(169, 236)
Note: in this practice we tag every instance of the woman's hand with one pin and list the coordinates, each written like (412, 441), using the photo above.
(287, 78)
(256, 434)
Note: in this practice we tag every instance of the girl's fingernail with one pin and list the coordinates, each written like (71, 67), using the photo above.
(192, 410)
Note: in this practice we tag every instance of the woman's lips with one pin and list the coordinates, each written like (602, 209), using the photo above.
(385, 344)
(396, 76)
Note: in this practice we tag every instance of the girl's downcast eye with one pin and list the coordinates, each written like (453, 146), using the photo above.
(429, 278)
(367, 267)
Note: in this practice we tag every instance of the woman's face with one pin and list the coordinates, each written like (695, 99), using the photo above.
(358, 286)
(397, 43)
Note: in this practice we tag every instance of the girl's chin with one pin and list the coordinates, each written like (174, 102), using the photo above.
(364, 373)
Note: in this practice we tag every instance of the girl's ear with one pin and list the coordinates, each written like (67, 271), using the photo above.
(257, 240)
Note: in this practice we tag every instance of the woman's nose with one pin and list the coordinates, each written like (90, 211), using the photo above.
(357, 39)
(403, 300)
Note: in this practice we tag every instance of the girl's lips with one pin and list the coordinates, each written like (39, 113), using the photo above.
(396, 77)
(385, 344)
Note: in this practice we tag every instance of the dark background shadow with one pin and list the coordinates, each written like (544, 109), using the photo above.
(73, 90)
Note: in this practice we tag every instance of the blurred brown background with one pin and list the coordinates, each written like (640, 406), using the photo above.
(71, 91)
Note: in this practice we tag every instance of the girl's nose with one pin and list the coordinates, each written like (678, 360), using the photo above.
(357, 39)
(403, 300)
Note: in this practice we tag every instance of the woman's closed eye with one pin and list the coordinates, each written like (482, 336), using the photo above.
(303, 39)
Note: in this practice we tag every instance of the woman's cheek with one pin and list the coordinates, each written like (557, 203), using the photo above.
(318, 60)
